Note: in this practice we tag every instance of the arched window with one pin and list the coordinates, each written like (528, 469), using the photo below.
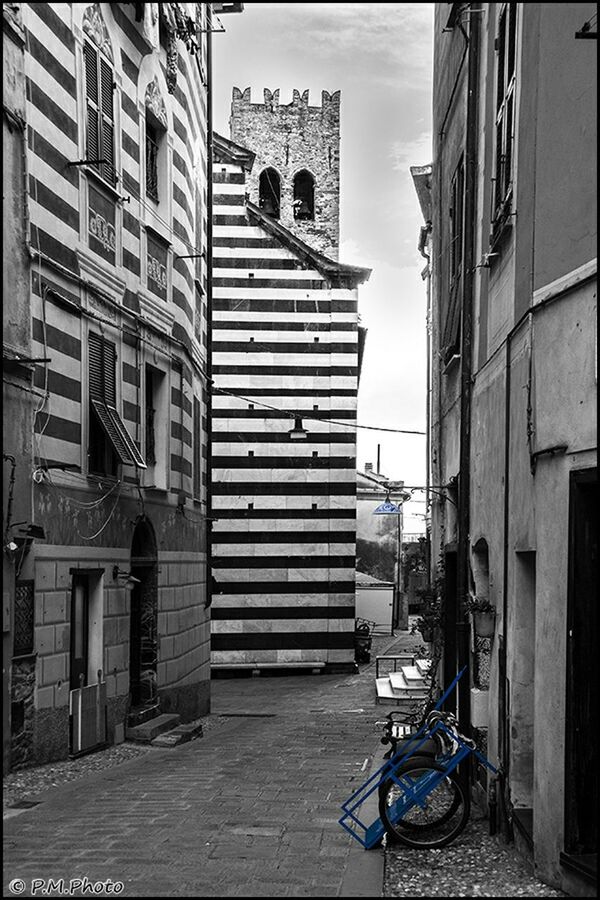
(304, 195)
(269, 192)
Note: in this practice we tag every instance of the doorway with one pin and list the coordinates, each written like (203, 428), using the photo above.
(581, 762)
(143, 642)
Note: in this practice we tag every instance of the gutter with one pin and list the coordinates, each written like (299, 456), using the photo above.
(209, 318)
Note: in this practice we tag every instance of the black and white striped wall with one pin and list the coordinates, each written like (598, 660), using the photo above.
(284, 344)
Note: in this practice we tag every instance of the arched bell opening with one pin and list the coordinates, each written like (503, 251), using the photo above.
(269, 192)
(304, 196)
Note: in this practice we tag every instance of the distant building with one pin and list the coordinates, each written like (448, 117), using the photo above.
(285, 358)
(105, 318)
(513, 409)
(379, 537)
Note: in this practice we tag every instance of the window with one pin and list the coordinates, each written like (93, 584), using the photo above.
(109, 441)
(304, 196)
(155, 446)
(457, 190)
(269, 192)
(100, 121)
(505, 112)
(152, 139)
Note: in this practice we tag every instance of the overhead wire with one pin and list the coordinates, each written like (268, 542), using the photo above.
(306, 415)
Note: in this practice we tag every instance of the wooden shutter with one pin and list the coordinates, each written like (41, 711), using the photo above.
(92, 105)
(107, 121)
(103, 396)
(95, 367)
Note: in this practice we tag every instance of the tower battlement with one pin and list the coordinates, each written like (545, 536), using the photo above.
(294, 142)
(271, 100)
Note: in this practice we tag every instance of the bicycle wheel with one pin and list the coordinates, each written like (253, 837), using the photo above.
(439, 811)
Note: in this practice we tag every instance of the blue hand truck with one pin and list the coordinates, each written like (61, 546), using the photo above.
(412, 782)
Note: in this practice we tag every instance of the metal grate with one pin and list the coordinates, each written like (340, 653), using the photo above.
(481, 662)
(24, 604)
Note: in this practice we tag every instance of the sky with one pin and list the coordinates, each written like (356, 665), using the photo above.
(379, 55)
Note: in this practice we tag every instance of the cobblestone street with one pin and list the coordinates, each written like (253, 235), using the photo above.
(251, 809)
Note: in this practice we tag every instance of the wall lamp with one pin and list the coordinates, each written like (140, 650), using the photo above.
(298, 432)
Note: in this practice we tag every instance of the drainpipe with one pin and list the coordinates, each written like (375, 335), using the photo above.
(209, 308)
(462, 626)
(426, 275)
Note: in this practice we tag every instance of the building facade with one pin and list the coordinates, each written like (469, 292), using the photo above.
(512, 406)
(285, 364)
(108, 584)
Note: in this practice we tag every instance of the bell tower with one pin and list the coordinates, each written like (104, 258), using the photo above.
(296, 174)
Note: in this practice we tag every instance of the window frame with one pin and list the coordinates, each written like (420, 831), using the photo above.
(504, 117)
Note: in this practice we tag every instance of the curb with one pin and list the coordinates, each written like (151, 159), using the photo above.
(366, 868)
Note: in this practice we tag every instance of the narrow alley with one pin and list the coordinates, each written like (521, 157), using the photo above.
(251, 809)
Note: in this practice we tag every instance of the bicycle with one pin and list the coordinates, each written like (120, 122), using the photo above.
(423, 804)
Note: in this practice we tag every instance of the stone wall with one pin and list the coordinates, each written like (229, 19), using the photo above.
(290, 138)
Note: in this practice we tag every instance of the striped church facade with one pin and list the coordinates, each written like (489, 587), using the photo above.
(285, 346)
(115, 136)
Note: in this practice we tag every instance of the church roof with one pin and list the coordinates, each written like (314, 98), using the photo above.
(227, 151)
(339, 274)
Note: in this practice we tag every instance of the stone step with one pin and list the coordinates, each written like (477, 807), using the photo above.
(413, 673)
(147, 731)
(180, 735)
(414, 688)
(387, 691)
(141, 714)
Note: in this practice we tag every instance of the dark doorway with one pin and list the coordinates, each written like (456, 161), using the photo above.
(450, 618)
(581, 763)
(269, 192)
(143, 642)
(79, 631)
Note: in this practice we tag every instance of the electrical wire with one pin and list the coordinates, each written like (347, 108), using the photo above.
(306, 415)
(91, 537)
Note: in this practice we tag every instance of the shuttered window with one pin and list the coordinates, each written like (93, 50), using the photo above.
(103, 394)
(99, 80)
(505, 109)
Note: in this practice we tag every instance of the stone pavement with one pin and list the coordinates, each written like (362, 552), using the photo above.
(251, 809)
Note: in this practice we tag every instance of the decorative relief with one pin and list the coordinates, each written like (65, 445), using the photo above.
(102, 307)
(95, 28)
(155, 103)
(157, 272)
(102, 230)
(101, 224)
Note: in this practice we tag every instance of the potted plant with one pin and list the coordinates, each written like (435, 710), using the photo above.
(482, 613)
(430, 617)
